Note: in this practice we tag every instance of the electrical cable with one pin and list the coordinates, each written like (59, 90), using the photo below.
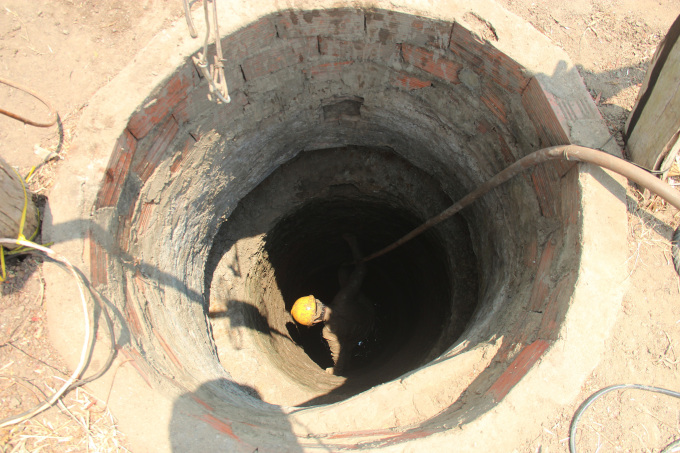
(112, 351)
(26, 246)
(86, 341)
(592, 398)
(53, 112)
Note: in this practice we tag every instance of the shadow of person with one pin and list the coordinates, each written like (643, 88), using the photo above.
(222, 416)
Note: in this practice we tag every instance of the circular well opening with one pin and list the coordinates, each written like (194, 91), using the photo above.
(209, 219)
(301, 251)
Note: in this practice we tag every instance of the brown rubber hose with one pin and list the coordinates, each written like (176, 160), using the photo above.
(53, 113)
(565, 152)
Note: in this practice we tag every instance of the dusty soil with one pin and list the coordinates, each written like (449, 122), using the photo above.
(67, 49)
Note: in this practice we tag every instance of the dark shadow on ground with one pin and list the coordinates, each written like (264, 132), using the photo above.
(637, 208)
(199, 422)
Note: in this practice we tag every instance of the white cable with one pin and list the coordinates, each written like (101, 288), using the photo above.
(83, 355)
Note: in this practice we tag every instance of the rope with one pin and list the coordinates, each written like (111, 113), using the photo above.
(215, 73)
(20, 236)
(187, 15)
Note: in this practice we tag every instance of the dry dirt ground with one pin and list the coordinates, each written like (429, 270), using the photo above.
(67, 49)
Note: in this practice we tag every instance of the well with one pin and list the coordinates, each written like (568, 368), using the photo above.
(204, 222)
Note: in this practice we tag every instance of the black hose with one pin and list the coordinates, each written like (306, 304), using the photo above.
(592, 398)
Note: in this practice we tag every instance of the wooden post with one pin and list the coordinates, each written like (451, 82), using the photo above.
(653, 128)
(12, 202)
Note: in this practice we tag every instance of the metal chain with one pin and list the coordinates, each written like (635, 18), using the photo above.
(214, 73)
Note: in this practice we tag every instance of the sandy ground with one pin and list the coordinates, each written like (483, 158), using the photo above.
(68, 49)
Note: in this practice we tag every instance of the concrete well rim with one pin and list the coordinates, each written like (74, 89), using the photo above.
(93, 150)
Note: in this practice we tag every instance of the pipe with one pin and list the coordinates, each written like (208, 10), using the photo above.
(566, 152)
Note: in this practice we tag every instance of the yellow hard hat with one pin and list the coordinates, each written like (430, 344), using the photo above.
(304, 310)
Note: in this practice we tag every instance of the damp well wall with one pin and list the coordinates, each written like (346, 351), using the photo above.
(339, 77)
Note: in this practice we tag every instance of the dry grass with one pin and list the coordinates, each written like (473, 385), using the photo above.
(80, 423)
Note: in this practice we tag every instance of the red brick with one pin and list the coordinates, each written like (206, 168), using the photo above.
(571, 191)
(99, 261)
(220, 425)
(327, 71)
(530, 254)
(434, 63)
(551, 116)
(556, 308)
(483, 127)
(483, 58)
(135, 359)
(168, 350)
(525, 328)
(493, 99)
(241, 43)
(123, 233)
(407, 82)
(148, 160)
(343, 24)
(508, 156)
(183, 155)
(141, 285)
(156, 110)
(145, 215)
(550, 129)
(213, 118)
(358, 50)
(289, 53)
(546, 182)
(539, 291)
(133, 323)
(181, 111)
(202, 403)
(235, 82)
(117, 170)
(517, 369)
(391, 26)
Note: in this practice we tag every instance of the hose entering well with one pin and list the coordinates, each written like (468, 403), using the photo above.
(565, 152)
